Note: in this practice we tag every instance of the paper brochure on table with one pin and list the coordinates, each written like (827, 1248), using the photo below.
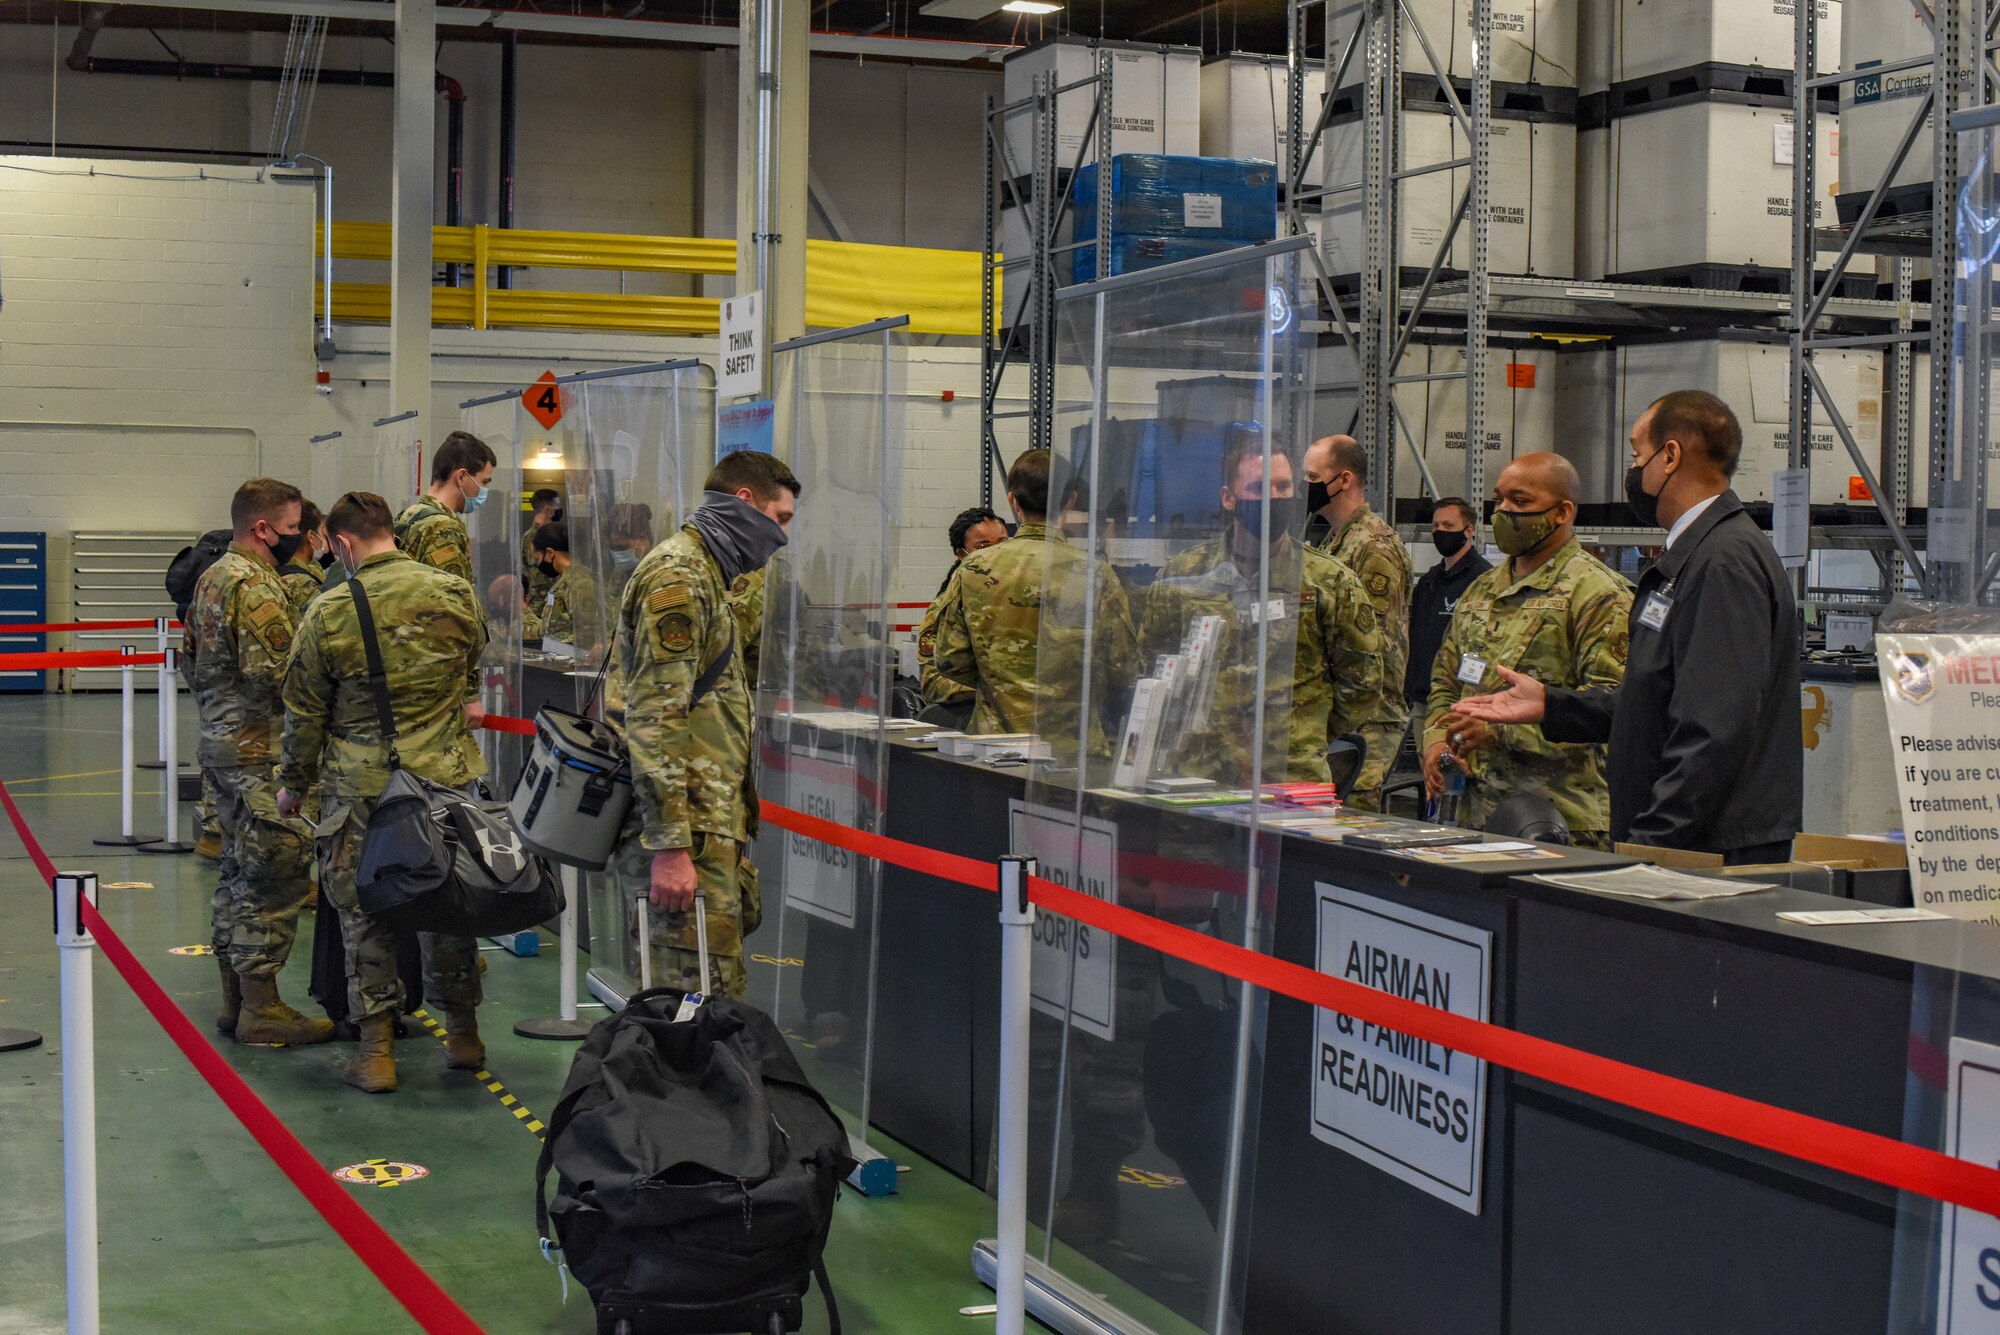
(1643, 882)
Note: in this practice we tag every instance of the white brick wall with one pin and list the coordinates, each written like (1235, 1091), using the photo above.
(142, 376)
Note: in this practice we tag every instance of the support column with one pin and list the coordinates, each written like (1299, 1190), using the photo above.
(415, 177)
(771, 161)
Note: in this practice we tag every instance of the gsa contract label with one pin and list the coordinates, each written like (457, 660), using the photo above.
(1413, 1108)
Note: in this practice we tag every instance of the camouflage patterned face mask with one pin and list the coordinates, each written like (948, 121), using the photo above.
(1519, 532)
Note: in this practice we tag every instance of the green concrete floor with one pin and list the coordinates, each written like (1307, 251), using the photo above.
(199, 1231)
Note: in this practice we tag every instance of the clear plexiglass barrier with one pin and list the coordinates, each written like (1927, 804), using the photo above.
(1947, 1264)
(1189, 668)
(817, 625)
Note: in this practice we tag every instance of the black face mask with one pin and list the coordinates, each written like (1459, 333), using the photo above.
(286, 547)
(1644, 504)
(326, 560)
(548, 569)
(1317, 497)
(1287, 516)
(1448, 541)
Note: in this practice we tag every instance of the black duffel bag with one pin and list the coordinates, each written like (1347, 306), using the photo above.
(697, 1169)
(435, 859)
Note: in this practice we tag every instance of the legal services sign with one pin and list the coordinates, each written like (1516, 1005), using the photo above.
(1943, 699)
(1414, 1109)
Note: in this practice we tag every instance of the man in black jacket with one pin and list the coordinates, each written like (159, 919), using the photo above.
(1455, 533)
(1704, 733)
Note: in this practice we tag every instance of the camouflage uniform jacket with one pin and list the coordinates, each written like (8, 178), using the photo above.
(937, 689)
(1338, 672)
(238, 637)
(690, 766)
(1367, 545)
(746, 604)
(1006, 605)
(574, 610)
(1564, 625)
(432, 534)
(301, 579)
(432, 632)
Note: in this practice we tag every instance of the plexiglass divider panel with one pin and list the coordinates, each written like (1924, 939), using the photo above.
(497, 528)
(1166, 736)
(1947, 1268)
(825, 670)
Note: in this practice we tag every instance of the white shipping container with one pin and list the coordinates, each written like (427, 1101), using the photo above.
(1534, 41)
(1752, 378)
(1245, 112)
(1520, 413)
(1532, 209)
(1875, 110)
(1922, 444)
(1155, 95)
(1727, 200)
(1634, 39)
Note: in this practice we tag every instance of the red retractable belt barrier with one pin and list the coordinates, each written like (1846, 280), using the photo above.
(519, 727)
(53, 627)
(1815, 1140)
(78, 658)
(421, 1296)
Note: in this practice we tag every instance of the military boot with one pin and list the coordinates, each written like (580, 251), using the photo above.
(373, 1069)
(232, 999)
(266, 1019)
(463, 1049)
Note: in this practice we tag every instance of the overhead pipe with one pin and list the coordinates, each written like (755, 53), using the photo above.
(509, 93)
(89, 23)
(193, 69)
(454, 163)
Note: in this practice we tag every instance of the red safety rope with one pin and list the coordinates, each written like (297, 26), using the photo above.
(78, 658)
(1815, 1140)
(421, 1296)
(53, 627)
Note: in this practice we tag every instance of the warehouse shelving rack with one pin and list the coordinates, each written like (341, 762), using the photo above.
(1378, 321)
(1027, 345)
(1963, 75)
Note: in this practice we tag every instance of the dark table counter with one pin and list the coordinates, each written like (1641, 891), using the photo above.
(1592, 1217)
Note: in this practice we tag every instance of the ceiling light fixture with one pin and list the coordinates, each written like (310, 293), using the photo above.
(1031, 7)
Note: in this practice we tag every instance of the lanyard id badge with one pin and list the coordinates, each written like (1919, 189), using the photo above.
(1653, 615)
(1471, 669)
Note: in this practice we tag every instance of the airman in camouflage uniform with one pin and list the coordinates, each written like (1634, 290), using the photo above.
(1565, 623)
(677, 688)
(303, 574)
(432, 534)
(574, 612)
(1364, 543)
(238, 639)
(1339, 672)
(432, 632)
(430, 529)
(547, 506)
(1011, 628)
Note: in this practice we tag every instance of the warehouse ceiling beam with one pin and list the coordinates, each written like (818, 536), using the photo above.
(580, 25)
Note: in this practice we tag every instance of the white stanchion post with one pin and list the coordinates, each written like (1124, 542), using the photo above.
(163, 721)
(79, 1099)
(128, 757)
(170, 704)
(1017, 943)
(565, 1024)
(645, 946)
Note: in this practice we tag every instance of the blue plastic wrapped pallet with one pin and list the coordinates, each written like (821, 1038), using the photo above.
(1165, 209)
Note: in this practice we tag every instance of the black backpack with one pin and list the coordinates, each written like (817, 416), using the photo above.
(186, 568)
(696, 1171)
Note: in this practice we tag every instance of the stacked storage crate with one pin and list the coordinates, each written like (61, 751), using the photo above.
(1604, 390)
(1155, 108)
(1875, 111)
(1684, 170)
(1520, 412)
(1167, 209)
